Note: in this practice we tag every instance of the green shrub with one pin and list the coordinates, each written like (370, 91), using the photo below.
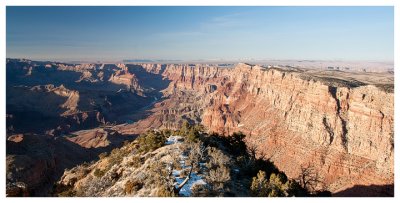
(99, 173)
(192, 135)
(166, 133)
(259, 185)
(151, 141)
(276, 186)
(115, 157)
(184, 128)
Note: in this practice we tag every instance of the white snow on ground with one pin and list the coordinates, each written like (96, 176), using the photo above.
(194, 177)
(173, 140)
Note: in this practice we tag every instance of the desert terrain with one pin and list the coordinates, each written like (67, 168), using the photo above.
(67, 120)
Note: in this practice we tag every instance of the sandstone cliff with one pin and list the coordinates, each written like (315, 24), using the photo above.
(342, 128)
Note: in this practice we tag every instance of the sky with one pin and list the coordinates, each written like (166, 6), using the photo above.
(200, 33)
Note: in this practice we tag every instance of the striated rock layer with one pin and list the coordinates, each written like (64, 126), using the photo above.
(339, 126)
(342, 129)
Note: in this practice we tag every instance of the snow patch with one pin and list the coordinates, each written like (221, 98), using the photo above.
(195, 179)
(173, 140)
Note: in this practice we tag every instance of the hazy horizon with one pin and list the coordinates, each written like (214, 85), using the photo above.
(200, 33)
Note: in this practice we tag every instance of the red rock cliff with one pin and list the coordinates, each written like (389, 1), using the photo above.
(346, 133)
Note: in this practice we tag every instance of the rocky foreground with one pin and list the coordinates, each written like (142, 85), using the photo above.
(185, 163)
(340, 125)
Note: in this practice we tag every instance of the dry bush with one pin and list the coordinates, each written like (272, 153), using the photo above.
(183, 147)
(116, 156)
(135, 162)
(67, 193)
(218, 177)
(126, 143)
(309, 179)
(166, 133)
(103, 155)
(216, 158)
(184, 172)
(95, 186)
(165, 191)
(62, 190)
(132, 186)
(188, 162)
(200, 190)
(197, 152)
(161, 175)
(176, 164)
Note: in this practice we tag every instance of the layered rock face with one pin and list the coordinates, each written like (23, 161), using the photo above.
(342, 128)
(344, 132)
(126, 78)
(297, 121)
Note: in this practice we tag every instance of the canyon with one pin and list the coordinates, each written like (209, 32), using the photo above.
(340, 123)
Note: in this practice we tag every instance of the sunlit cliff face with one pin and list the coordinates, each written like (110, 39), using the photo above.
(296, 118)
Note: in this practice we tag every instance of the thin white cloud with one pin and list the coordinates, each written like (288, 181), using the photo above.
(225, 21)
(218, 23)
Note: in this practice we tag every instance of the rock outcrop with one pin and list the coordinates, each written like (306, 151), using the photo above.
(70, 104)
(128, 79)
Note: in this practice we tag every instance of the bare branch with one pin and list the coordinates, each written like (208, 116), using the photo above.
(176, 190)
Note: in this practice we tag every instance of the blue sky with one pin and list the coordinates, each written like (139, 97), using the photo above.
(192, 33)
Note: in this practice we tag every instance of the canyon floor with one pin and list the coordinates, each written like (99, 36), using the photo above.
(65, 121)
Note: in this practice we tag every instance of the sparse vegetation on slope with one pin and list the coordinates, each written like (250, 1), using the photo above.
(185, 162)
(151, 140)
